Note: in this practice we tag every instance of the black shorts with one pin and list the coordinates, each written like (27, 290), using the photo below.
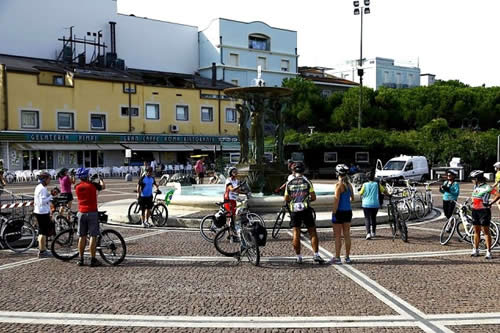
(67, 196)
(201, 175)
(145, 202)
(304, 217)
(481, 217)
(343, 216)
(44, 224)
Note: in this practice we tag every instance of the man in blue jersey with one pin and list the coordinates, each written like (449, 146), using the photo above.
(145, 195)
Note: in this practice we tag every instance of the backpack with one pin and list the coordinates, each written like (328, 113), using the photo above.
(260, 233)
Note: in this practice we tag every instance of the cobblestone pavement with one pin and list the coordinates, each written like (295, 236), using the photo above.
(174, 281)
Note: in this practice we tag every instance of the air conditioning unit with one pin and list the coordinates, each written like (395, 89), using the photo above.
(174, 128)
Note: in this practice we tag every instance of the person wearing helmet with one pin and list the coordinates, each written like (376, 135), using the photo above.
(88, 222)
(299, 192)
(145, 195)
(342, 213)
(450, 190)
(481, 212)
(291, 169)
(231, 192)
(65, 182)
(42, 199)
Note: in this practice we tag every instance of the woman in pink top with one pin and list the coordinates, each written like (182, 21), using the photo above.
(65, 182)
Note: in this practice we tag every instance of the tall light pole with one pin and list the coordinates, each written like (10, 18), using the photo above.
(359, 11)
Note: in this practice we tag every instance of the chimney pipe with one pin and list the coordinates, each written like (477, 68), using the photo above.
(112, 28)
(214, 74)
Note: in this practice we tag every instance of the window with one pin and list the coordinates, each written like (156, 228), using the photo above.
(153, 111)
(285, 65)
(135, 111)
(398, 78)
(58, 80)
(30, 119)
(330, 157)
(98, 121)
(231, 115)
(259, 42)
(386, 77)
(207, 113)
(182, 112)
(297, 156)
(410, 80)
(325, 93)
(362, 157)
(261, 61)
(409, 166)
(235, 82)
(234, 59)
(234, 158)
(65, 121)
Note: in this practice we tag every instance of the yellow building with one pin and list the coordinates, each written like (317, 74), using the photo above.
(54, 115)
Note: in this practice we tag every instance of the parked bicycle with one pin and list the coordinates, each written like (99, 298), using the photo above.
(281, 217)
(397, 224)
(211, 224)
(159, 213)
(110, 244)
(242, 237)
(428, 198)
(461, 222)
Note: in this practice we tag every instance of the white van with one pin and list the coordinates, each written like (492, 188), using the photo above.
(407, 167)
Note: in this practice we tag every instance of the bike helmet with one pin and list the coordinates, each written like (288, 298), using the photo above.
(496, 165)
(43, 175)
(476, 174)
(62, 172)
(452, 172)
(342, 169)
(299, 167)
(82, 173)
(231, 170)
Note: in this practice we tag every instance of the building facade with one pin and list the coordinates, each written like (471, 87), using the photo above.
(326, 83)
(238, 48)
(380, 72)
(54, 115)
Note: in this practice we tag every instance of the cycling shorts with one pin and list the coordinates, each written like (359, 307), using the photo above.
(343, 216)
(230, 206)
(481, 217)
(304, 217)
(145, 202)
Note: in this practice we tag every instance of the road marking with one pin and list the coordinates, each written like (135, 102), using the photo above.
(20, 263)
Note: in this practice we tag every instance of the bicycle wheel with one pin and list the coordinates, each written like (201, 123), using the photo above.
(111, 247)
(392, 219)
(134, 213)
(403, 210)
(18, 235)
(447, 230)
(278, 223)
(252, 249)
(403, 229)
(465, 230)
(208, 229)
(419, 208)
(61, 223)
(226, 243)
(494, 232)
(65, 245)
(159, 214)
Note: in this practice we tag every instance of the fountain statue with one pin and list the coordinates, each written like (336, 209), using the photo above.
(260, 102)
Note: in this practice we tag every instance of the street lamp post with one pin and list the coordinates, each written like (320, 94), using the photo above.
(360, 11)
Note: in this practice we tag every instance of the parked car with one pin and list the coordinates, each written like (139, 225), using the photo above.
(407, 167)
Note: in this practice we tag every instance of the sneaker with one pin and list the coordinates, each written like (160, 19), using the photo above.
(374, 234)
(335, 261)
(488, 255)
(80, 262)
(348, 260)
(95, 263)
(44, 254)
(317, 258)
(368, 236)
(475, 253)
(299, 260)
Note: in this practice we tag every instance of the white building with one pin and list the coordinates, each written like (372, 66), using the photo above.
(32, 28)
(427, 79)
(237, 48)
(380, 72)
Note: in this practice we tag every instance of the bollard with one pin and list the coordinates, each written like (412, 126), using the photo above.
(128, 177)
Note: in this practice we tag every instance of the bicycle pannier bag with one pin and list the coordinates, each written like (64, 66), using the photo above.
(220, 219)
(260, 234)
(13, 230)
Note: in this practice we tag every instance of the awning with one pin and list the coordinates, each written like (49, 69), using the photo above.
(56, 146)
(111, 146)
(202, 147)
(230, 146)
(157, 147)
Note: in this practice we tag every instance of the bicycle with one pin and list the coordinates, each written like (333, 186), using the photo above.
(414, 199)
(464, 227)
(211, 224)
(428, 198)
(285, 209)
(396, 223)
(110, 244)
(159, 212)
(235, 240)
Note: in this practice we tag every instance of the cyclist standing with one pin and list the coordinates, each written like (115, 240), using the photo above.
(88, 220)
(41, 210)
(231, 192)
(481, 212)
(145, 195)
(342, 213)
(299, 191)
(450, 190)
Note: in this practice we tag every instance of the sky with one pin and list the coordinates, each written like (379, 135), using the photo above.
(453, 39)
